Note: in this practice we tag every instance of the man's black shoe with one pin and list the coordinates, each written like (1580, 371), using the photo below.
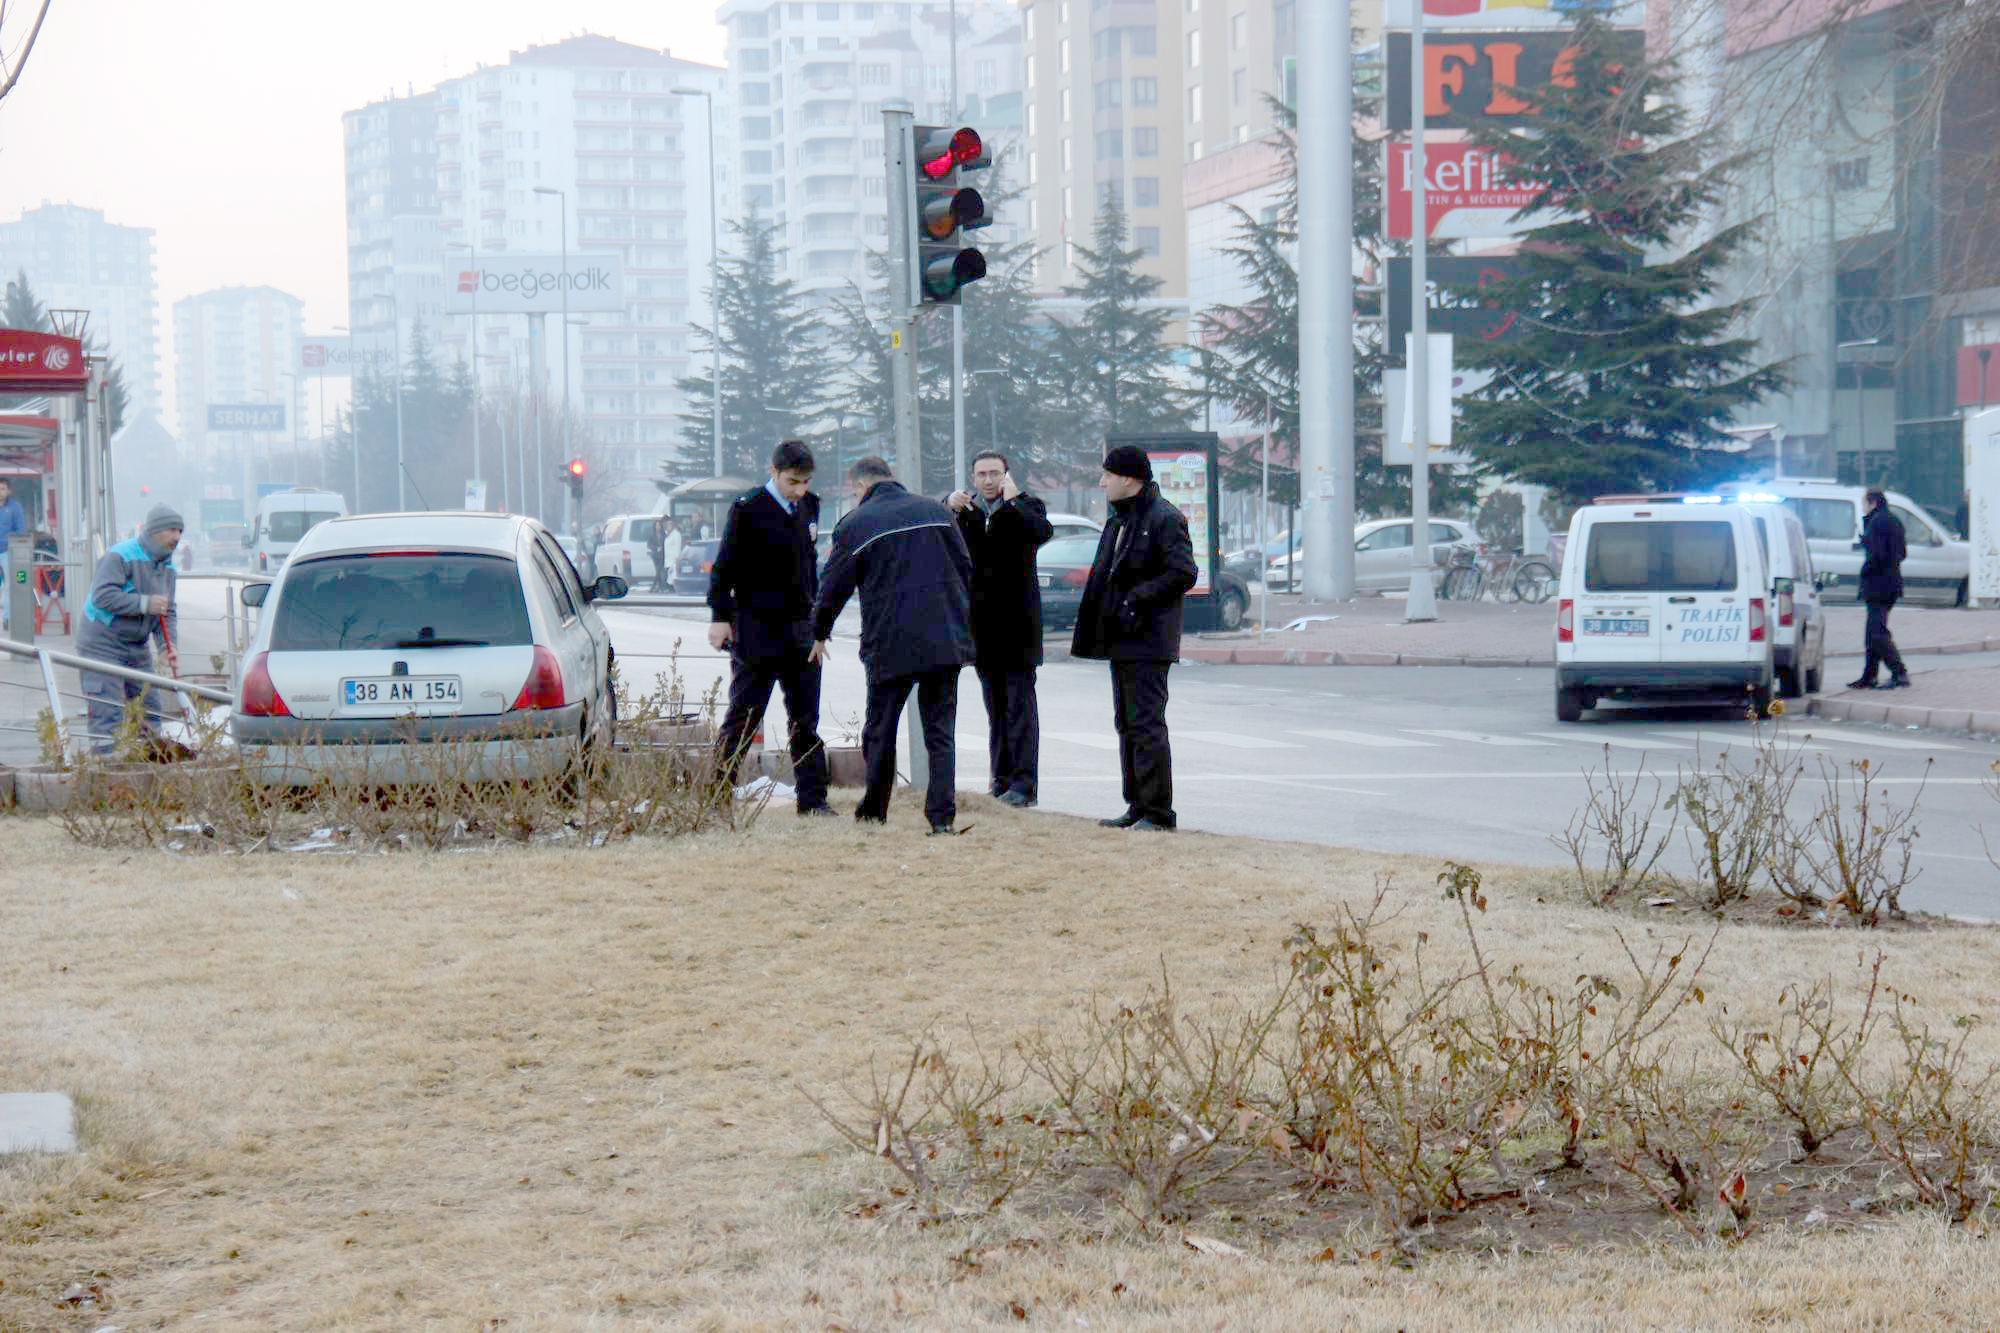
(1898, 682)
(1019, 800)
(1150, 826)
(1860, 684)
(947, 831)
(1126, 820)
(822, 811)
(863, 817)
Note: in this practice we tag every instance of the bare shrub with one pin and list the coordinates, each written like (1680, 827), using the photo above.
(1611, 838)
(1856, 850)
(1798, 1062)
(1733, 817)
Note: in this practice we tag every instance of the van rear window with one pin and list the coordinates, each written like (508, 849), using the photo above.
(1660, 557)
(400, 601)
(288, 525)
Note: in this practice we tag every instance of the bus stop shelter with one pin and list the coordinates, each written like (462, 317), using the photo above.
(66, 439)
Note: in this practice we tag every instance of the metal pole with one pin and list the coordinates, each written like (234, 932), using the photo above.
(1422, 604)
(1264, 530)
(715, 291)
(402, 473)
(478, 472)
(900, 195)
(958, 469)
(563, 199)
(1326, 296)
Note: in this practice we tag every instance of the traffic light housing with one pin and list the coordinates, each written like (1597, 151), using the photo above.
(946, 209)
(573, 472)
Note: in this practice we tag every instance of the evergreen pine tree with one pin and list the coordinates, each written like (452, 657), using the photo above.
(778, 376)
(1114, 364)
(1624, 376)
(21, 310)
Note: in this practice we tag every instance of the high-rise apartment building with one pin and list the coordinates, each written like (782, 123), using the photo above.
(237, 347)
(808, 83)
(1122, 94)
(590, 142)
(75, 259)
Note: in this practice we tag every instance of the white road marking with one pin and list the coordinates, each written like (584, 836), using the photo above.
(1234, 740)
(1480, 737)
(1314, 786)
(1369, 739)
(1620, 742)
(1095, 740)
(1846, 737)
(1722, 741)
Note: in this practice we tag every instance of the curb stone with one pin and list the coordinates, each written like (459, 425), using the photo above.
(1906, 715)
(1220, 655)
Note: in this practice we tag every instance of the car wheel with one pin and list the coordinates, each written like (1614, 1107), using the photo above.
(1232, 611)
(1964, 592)
(1569, 704)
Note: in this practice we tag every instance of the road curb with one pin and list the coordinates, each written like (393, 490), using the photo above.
(1220, 655)
(1906, 715)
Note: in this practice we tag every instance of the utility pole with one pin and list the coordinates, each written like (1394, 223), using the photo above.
(1326, 296)
(900, 195)
(958, 468)
(1422, 603)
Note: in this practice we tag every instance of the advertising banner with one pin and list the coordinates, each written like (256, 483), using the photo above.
(1467, 194)
(246, 416)
(507, 284)
(41, 363)
(1473, 78)
(1443, 387)
(338, 356)
(1185, 469)
(1468, 318)
(1510, 14)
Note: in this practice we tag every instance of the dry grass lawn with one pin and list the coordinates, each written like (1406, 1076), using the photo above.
(555, 1088)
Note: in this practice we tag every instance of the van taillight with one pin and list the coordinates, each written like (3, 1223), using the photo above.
(1566, 621)
(260, 696)
(1756, 620)
(1786, 607)
(544, 688)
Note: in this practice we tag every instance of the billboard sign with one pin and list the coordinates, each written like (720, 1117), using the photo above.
(1510, 15)
(1473, 79)
(1185, 469)
(1469, 319)
(338, 356)
(506, 284)
(246, 416)
(41, 363)
(1467, 193)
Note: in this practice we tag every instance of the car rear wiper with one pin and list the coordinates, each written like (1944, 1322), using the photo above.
(442, 643)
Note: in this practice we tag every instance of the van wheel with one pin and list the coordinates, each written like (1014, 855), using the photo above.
(1569, 704)
(1813, 675)
(1788, 682)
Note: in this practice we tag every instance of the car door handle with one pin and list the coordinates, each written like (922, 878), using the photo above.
(1680, 601)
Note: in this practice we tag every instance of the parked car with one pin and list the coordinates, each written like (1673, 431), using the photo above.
(1660, 599)
(1073, 525)
(1247, 563)
(1938, 566)
(1062, 568)
(286, 516)
(1382, 554)
(414, 646)
(697, 559)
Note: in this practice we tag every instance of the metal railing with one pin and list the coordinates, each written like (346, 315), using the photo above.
(50, 658)
(238, 620)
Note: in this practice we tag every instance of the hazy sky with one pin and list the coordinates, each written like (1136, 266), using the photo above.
(217, 122)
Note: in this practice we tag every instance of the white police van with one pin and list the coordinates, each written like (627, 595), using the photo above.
(1662, 599)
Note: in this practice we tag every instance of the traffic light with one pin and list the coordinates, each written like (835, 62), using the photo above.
(573, 473)
(946, 208)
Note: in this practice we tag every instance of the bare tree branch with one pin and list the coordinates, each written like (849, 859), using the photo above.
(13, 76)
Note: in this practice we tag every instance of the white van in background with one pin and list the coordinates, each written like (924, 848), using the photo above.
(1661, 599)
(283, 518)
(1798, 619)
(1936, 568)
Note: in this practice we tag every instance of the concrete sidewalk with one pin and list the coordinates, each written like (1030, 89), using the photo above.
(1938, 699)
(1372, 631)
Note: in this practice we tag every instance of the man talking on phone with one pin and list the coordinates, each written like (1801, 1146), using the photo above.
(1003, 527)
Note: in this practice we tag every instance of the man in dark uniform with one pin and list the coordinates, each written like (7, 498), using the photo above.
(1003, 526)
(1884, 545)
(1131, 615)
(904, 553)
(760, 599)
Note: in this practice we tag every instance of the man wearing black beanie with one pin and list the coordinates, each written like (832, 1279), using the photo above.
(1131, 616)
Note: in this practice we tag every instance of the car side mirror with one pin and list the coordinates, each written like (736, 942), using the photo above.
(1825, 579)
(249, 539)
(609, 588)
(253, 594)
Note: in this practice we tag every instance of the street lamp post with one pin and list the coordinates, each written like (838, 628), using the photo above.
(478, 473)
(563, 206)
(714, 279)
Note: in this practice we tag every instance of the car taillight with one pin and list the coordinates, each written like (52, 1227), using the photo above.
(1756, 620)
(1076, 578)
(1786, 608)
(1566, 621)
(263, 562)
(625, 559)
(544, 688)
(260, 696)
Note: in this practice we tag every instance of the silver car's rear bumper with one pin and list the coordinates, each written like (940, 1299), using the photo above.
(286, 751)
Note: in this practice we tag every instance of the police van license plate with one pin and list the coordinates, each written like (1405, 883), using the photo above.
(1615, 625)
(400, 691)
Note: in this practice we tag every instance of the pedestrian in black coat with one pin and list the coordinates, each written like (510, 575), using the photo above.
(903, 552)
(1003, 526)
(1884, 548)
(761, 591)
(1131, 616)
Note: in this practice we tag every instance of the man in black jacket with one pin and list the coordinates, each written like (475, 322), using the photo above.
(760, 600)
(1131, 615)
(1003, 526)
(1881, 585)
(905, 555)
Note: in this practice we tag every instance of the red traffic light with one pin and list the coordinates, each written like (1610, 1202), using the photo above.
(577, 467)
(938, 155)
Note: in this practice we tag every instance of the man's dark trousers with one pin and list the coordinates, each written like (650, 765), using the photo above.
(937, 706)
(750, 683)
(1881, 648)
(1013, 729)
(1139, 703)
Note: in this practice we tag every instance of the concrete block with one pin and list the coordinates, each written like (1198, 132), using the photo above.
(1958, 648)
(1425, 660)
(1986, 724)
(36, 1122)
(1907, 715)
(6, 788)
(1858, 711)
(847, 766)
(43, 790)
(1950, 719)
(1366, 659)
(1263, 656)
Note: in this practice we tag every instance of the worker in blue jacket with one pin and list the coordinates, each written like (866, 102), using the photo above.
(131, 605)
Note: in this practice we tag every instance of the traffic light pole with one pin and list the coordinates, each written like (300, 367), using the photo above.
(901, 198)
(1326, 297)
(1422, 603)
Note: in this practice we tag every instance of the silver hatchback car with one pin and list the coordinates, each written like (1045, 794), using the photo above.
(410, 647)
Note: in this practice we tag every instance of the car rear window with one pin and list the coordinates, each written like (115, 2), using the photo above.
(1068, 551)
(1660, 557)
(1825, 520)
(288, 525)
(399, 601)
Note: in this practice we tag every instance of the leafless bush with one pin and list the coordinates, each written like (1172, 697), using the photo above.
(1611, 838)
(1733, 815)
(1798, 1063)
(1855, 851)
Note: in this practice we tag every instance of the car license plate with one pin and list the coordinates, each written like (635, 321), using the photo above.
(1619, 625)
(1044, 580)
(400, 692)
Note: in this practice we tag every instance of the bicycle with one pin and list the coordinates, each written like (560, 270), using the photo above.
(1495, 568)
(1464, 580)
(1534, 581)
